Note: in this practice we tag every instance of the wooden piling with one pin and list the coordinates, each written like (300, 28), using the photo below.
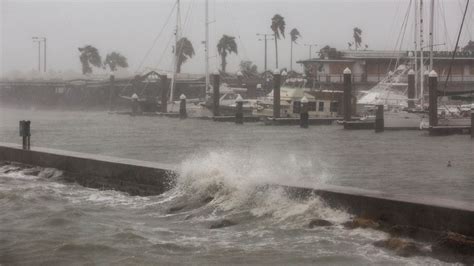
(347, 96)
(239, 110)
(216, 94)
(182, 107)
(433, 98)
(379, 119)
(411, 89)
(25, 133)
(276, 93)
(112, 93)
(472, 121)
(134, 104)
(164, 93)
(304, 116)
(240, 78)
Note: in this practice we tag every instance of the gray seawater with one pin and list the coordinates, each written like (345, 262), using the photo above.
(45, 220)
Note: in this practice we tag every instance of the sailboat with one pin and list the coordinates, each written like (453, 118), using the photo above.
(391, 91)
(451, 115)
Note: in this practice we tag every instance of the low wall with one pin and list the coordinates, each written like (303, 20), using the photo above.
(97, 171)
(147, 178)
(426, 212)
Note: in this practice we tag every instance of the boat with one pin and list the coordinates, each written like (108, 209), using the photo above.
(227, 101)
(321, 103)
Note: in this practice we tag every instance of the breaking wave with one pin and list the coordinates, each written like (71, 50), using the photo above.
(232, 184)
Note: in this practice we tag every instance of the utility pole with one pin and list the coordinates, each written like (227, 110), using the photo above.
(310, 45)
(265, 39)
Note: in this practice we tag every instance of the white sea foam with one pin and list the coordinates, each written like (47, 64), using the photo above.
(238, 182)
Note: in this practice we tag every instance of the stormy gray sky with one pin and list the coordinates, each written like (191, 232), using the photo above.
(130, 27)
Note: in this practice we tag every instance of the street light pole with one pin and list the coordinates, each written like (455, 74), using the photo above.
(265, 39)
(39, 40)
(36, 39)
(44, 68)
(310, 45)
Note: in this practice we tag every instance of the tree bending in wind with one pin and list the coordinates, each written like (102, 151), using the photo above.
(226, 45)
(278, 28)
(184, 51)
(357, 37)
(114, 60)
(295, 34)
(89, 56)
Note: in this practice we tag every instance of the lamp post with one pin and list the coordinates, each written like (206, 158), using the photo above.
(310, 45)
(265, 39)
(39, 40)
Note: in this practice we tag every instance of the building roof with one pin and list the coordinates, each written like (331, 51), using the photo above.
(352, 56)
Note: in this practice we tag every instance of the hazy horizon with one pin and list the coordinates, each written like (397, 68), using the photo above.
(130, 28)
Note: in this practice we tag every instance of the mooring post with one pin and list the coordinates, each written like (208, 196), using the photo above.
(112, 92)
(433, 98)
(276, 93)
(25, 133)
(472, 121)
(240, 78)
(411, 89)
(347, 96)
(426, 78)
(239, 110)
(379, 122)
(164, 93)
(134, 104)
(22, 133)
(182, 107)
(304, 116)
(216, 94)
(28, 134)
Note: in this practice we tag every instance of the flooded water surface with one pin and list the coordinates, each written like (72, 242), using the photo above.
(222, 170)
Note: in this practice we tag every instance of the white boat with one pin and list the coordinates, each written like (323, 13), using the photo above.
(290, 101)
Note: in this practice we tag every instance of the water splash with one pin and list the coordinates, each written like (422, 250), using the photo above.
(238, 182)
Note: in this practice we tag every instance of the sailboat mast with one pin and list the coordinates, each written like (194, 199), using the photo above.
(206, 48)
(431, 33)
(422, 68)
(176, 52)
(415, 4)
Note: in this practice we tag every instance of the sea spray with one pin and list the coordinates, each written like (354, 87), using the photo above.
(249, 182)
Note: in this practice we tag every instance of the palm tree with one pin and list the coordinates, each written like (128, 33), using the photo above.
(184, 51)
(89, 56)
(278, 27)
(226, 46)
(248, 69)
(357, 37)
(295, 34)
(114, 60)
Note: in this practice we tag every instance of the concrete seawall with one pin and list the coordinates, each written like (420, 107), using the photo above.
(97, 171)
(147, 178)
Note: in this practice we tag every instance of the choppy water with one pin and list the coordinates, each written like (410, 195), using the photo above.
(46, 220)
